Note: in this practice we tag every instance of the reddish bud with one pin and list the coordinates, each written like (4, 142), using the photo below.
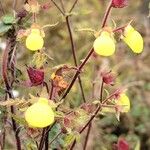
(46, 6)
(108, 78)
(64, 130)
(119, 3)
(36, 76)
(122, 144)
(118, 92)
(67, 122)
(22, 13)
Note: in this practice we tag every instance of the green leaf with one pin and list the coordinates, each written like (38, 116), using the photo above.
(4, 28)
(69, 139)
(53, 133)
(8, 19)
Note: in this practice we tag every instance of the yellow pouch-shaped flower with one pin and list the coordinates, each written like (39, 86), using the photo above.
(133, 39)
(34, 40)
(40, 114)
(104, 45)
(124, 103)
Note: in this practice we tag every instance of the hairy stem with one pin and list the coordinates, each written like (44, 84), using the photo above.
(9, 90)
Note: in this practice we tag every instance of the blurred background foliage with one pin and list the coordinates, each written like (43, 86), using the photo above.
(132, 70)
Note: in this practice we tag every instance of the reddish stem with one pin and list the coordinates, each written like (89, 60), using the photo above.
(88, 55)
(106, 14)
(77, 73)
(9, 88)
(74, 55)
(87, 136)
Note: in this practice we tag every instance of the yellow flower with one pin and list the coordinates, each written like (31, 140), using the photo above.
(34, 40)
(133, 39)
(104, 45)
(124, 103)
(121, 105)
(40, 114)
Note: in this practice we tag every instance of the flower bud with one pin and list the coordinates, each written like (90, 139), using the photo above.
(36, 76)
(122, 144)
(108, 77)
(119, 3)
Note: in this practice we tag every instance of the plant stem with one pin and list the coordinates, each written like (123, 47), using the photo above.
(80, 67)
(74, 55)
(87, 124)
(88, 55)
(62, 5)
(107, 14)
(71, 39)
(77, 73)
(42, 140)
(90, 125)
(74, 4)
(45, 132)
(9, 89)
(58, 7)
(101, 91)
(87, 136)
(18, 143)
